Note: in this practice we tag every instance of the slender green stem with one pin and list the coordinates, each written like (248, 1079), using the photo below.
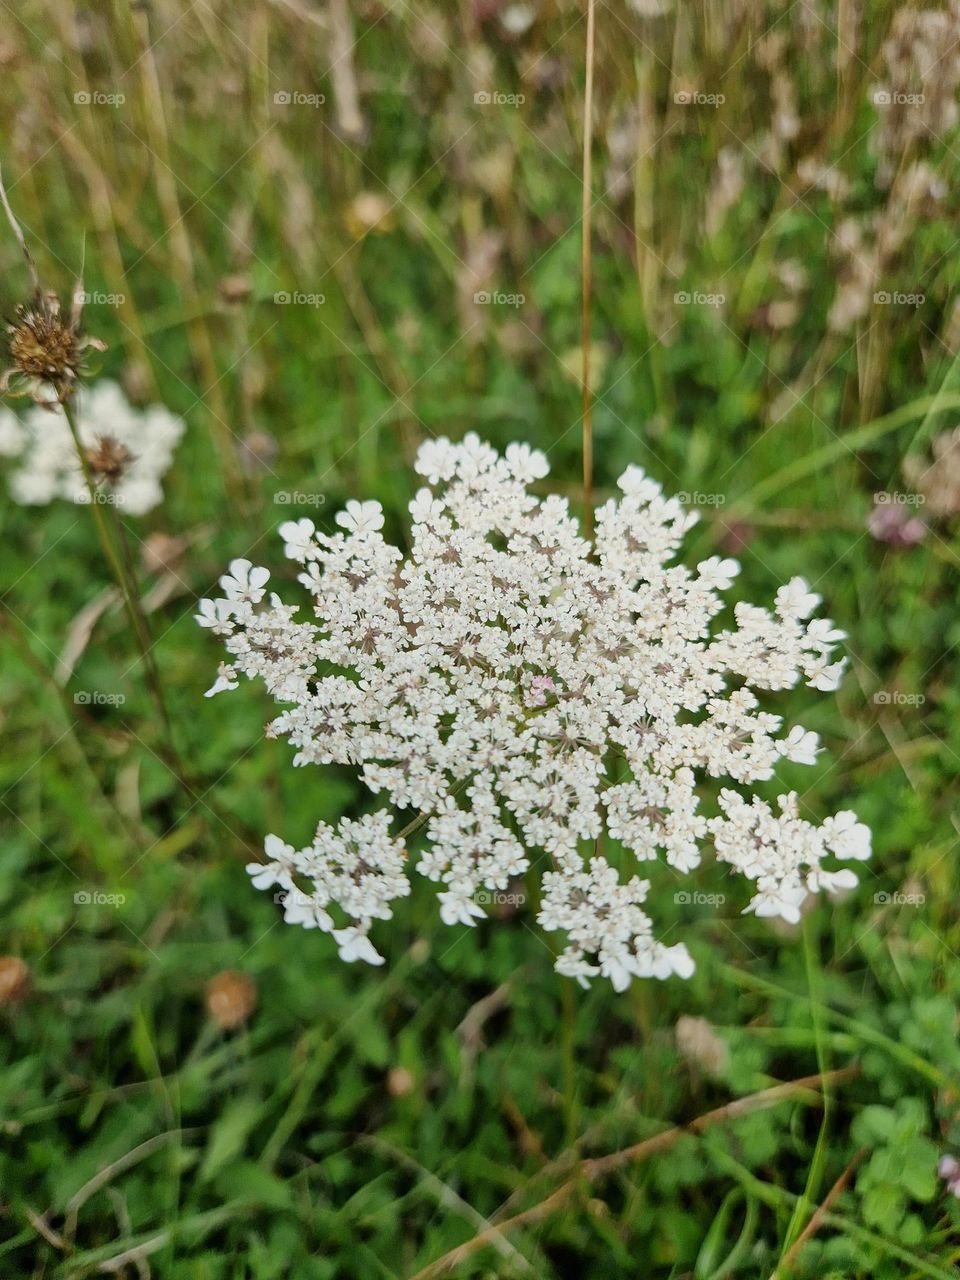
(124, 578)
(145, 635)
(805, 1206)
(569, 1057)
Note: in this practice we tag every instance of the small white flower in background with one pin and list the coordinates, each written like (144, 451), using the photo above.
(13, 435)
(518, 691)
(49, 467)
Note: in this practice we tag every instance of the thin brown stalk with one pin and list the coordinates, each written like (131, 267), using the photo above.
(585, 275)
(590, 1171)
(343, 74)
(819, 1217)
(182, 261)
(20, 238)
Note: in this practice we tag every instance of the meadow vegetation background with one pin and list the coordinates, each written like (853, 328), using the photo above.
(322, 233)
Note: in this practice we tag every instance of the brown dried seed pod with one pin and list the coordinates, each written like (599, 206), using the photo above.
(42, 345)
(400, 1081)
(46, 349)
(14, 979)
(231, 998)
(235, 289)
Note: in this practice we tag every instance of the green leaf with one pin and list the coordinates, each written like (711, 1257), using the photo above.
(229, 1134)
(247, 1180)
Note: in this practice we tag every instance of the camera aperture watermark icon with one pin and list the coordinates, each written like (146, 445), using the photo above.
(496, 298)
(295, 98)
(895, 698)
(296, 298)
(101, 497)
(695, 898)
(899, 899)
(695, 298)
(97, 898)
(298, 498)
(98, 299)
(494, 98)
(895, 499)
(697, 498)
(894, 298)
(98, 698)
(499, 898)
(96, 98)
(893, 98)
(696, 98)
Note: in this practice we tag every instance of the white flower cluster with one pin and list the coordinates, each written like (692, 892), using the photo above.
(49, 466)
(526, 694)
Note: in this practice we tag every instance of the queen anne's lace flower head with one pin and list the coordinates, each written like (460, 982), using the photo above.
(524, 693)
(49, 467)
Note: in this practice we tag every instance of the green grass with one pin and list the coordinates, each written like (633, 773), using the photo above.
(366, 1123)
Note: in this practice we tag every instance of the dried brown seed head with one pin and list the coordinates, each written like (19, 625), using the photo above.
(46, 350)
(41, 345)
(399, 1082)
(14, 980)
(108, 459)
(231, 998)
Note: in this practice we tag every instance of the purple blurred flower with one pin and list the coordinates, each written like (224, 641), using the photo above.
(894, 525)
(536, 695)
(949, 1170)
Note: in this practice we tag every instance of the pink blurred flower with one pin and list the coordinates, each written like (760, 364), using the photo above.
(894, 525)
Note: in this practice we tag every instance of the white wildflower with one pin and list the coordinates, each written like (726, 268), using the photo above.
(218, 616)
(226, 678)
(13, 436)
(353, 944)
(800, 746)
(297, 538)
(520, 692)
(49, 467)
(279, 870)
(526, 464)
(244, 583)
(361, 517)
(718, 574)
